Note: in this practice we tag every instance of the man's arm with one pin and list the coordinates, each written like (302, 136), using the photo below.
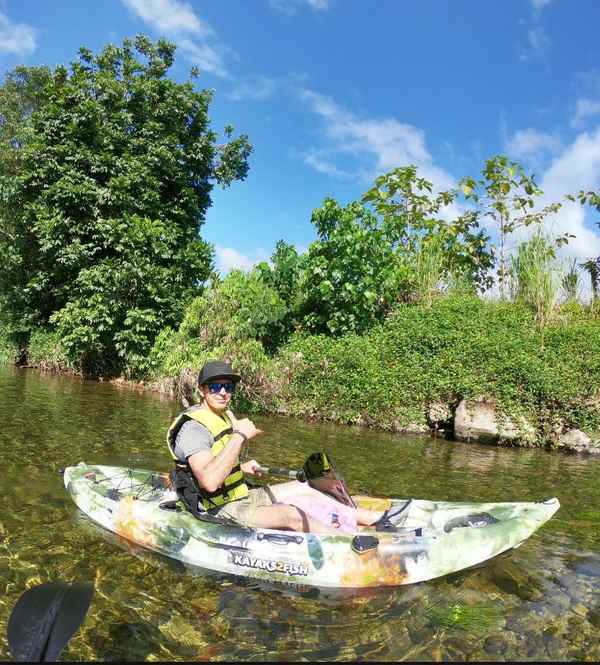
(210, 471)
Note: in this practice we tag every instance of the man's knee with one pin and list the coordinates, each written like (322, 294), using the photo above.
(293, 517)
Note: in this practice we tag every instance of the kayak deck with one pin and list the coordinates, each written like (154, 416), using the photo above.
(435, 538)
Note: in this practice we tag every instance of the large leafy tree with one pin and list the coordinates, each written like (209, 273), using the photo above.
(104, 210)
(23, 92)
(367, 260)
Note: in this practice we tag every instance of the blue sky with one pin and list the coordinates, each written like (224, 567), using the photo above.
(335, 92)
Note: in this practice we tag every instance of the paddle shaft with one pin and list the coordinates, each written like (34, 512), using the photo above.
(296, 474)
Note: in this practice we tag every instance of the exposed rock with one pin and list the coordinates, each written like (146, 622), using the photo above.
(594, 618)
(439, 415)
(477, 420)
(410, 428)
(577, 441)
(496, 644)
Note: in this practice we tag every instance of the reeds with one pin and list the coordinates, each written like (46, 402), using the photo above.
(536, 276)
(570, 282)
(429, 267)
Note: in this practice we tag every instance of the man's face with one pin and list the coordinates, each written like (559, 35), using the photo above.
(217, 393)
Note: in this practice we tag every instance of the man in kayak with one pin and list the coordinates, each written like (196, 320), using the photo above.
(205, 442)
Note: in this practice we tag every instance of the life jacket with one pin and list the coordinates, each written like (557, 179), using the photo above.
(186, 485)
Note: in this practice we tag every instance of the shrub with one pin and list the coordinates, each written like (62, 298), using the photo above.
(8, 350)
(234, 320)
(47, 352)
(460, 347)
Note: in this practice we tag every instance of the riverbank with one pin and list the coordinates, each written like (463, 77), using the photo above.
(462, 368)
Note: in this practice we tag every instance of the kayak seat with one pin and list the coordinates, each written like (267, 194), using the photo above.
(393, 518)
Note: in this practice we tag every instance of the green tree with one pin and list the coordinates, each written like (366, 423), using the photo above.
(412, 222)
(366, 261)
(348, 278)
(507, 195)
(112, 186)
(284, 274)
(592, 266)
(23, 92)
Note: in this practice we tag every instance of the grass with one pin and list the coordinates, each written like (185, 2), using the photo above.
(459, 616)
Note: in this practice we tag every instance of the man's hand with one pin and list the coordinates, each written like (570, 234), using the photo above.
(251, 467)
(245, 426)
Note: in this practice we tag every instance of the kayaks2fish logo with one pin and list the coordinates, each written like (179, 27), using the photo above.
(272, 565)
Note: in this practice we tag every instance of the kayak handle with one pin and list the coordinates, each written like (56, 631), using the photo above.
(296, 474)
(280, 538)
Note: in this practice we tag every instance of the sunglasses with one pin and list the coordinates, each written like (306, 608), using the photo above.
(215, 388)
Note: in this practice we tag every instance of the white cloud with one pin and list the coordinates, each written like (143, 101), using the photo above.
(538, 43)
(169, 16)
(256, 87)
(16, 38)
(230, 259)
(584, 109)
(178, 21)
(315, 159)
(290, 7)
(538, 5)
(530, 144)
(379, 145)
(576, 168)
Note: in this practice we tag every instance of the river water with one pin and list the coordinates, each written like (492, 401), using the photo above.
(540, 602)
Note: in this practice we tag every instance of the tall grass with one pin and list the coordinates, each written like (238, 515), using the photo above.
(570, 283)
(536, 276)
(428, 270)
(8, 350)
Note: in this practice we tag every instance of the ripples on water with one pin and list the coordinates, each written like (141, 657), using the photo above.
(540, 602)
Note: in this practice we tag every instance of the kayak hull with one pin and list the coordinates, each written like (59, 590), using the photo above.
(436, 539)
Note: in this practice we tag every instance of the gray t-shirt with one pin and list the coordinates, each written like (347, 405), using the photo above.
(192, 438)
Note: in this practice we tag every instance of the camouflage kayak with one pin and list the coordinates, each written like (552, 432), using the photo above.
(433, 538)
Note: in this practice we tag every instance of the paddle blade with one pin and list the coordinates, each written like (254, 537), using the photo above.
(45, 618)
(322, 475)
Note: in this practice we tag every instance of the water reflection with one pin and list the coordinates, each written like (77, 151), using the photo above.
(545, 597)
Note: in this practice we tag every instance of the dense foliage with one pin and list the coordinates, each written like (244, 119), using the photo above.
(106, 172)
(234, 310)
(458, 347)
(104, 198)
(366, 260)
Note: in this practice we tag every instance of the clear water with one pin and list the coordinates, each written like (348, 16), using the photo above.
(540, 602)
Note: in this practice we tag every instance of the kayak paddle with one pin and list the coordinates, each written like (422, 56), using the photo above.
(296, 474)
(45, 618)
(320, 473)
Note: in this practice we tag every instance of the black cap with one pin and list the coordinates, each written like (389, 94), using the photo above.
(217, 369)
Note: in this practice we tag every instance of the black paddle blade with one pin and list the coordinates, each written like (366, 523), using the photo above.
(316, 466)
(322, 475)
(45, 618)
